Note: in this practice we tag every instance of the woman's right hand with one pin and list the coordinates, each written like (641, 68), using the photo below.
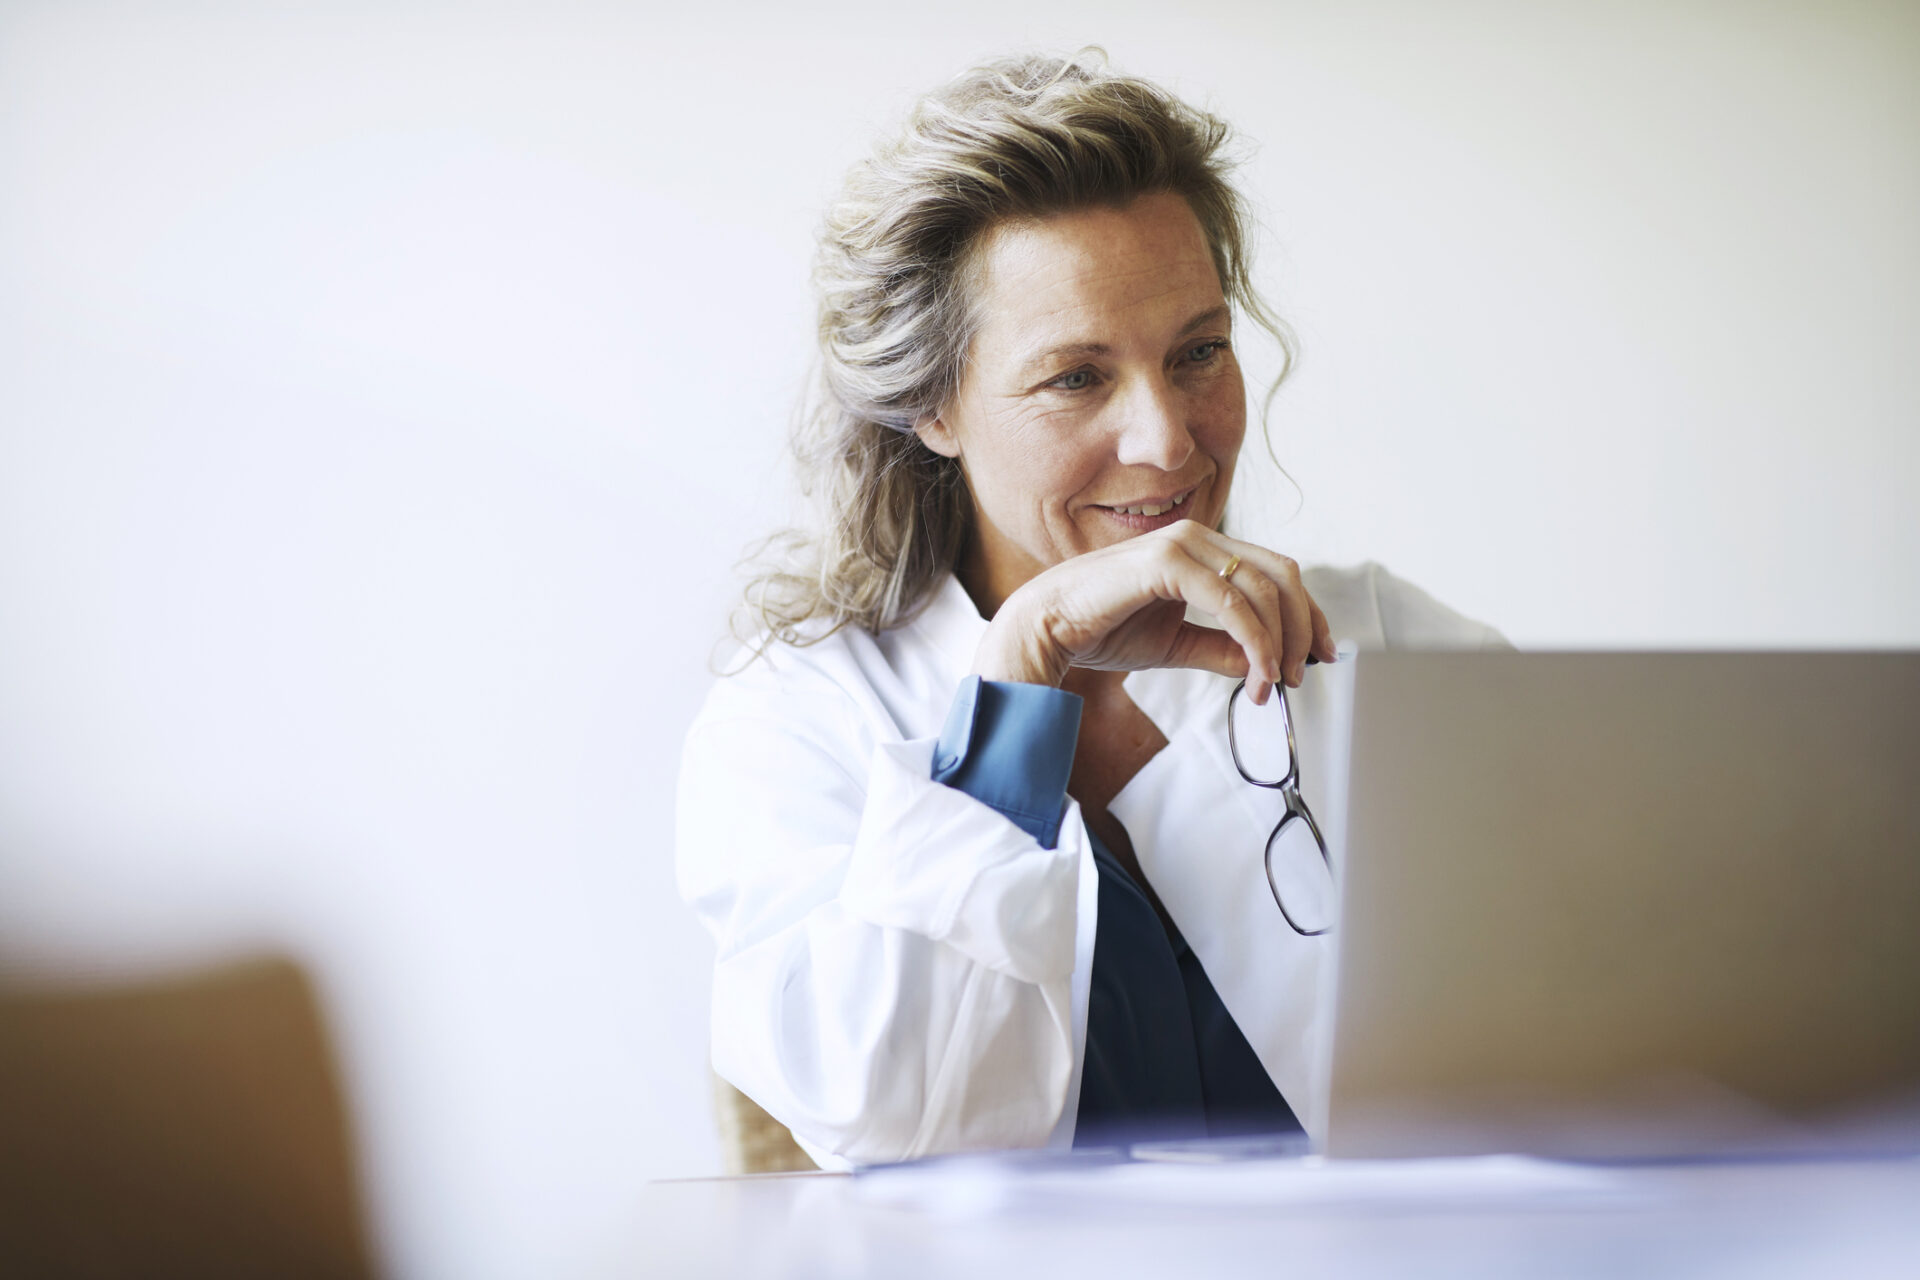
(1123, 608)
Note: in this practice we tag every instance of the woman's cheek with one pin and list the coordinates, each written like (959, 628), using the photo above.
(1054, 458)
(1221, 433)
(1226, 417)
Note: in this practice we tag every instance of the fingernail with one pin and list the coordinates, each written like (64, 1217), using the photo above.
(1299, 674)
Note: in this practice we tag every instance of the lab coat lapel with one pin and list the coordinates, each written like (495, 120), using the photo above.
(953, 627)
(1199, 832)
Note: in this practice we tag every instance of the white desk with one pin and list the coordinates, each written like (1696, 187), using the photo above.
(1857, 1220)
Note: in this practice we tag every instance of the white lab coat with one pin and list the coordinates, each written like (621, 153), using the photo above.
(901, 970)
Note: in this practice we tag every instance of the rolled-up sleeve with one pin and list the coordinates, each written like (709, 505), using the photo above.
(1010, 746)
(895, 954)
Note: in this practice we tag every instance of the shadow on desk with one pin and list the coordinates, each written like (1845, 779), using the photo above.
(189, 1127)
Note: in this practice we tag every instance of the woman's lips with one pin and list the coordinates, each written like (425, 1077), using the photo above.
(1183, 504)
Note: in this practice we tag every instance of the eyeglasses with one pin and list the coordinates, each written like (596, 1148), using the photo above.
(1299, 872)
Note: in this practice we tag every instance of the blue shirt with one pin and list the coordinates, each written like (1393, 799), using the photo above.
(1164, 1058)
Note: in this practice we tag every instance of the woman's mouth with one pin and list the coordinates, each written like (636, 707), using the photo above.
(1152, 513)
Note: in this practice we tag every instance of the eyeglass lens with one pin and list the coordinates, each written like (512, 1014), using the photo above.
(1259, 739)
(1297, 870)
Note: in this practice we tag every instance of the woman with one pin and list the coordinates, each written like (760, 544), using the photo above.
(968, 828)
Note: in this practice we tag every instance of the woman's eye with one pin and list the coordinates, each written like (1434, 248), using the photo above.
(1078, 380)
(1205, 351)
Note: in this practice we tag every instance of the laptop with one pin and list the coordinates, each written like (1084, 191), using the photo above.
(1628, 905)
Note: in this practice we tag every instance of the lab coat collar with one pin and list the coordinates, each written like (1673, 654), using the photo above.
(952, 624)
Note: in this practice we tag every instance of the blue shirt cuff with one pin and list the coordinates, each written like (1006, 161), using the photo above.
(1010, 746)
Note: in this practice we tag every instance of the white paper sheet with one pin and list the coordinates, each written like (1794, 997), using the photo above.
(987, 1185)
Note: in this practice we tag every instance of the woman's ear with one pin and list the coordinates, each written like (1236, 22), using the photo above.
(938, 436)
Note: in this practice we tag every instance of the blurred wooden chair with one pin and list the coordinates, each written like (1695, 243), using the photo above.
(191, 1127)
(751, 1141)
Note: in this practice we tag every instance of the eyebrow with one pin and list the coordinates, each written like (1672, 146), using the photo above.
(1037, 363)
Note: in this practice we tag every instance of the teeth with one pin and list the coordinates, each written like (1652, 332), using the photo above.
(1160, 510)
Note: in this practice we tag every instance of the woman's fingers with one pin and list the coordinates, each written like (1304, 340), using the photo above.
(1293, 625)
(1276, 583)
(1204, 587)
(1269, 607)
(1323, 646)
(1115, 609)
(1210, 649)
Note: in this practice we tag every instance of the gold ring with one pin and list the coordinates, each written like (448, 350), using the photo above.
(1226, 573)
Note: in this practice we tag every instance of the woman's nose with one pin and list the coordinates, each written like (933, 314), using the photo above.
(1153, 426)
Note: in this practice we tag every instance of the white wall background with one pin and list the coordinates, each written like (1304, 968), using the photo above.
(385, 394)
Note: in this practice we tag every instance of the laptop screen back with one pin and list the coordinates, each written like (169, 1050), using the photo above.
(1630, 905)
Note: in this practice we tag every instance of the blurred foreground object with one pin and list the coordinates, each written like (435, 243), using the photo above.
(191, 1126)
(751, 1141)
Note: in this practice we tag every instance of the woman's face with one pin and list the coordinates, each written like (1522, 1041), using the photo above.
(1101, 382)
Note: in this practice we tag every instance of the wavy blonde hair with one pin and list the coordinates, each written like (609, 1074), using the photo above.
(1019, 138)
